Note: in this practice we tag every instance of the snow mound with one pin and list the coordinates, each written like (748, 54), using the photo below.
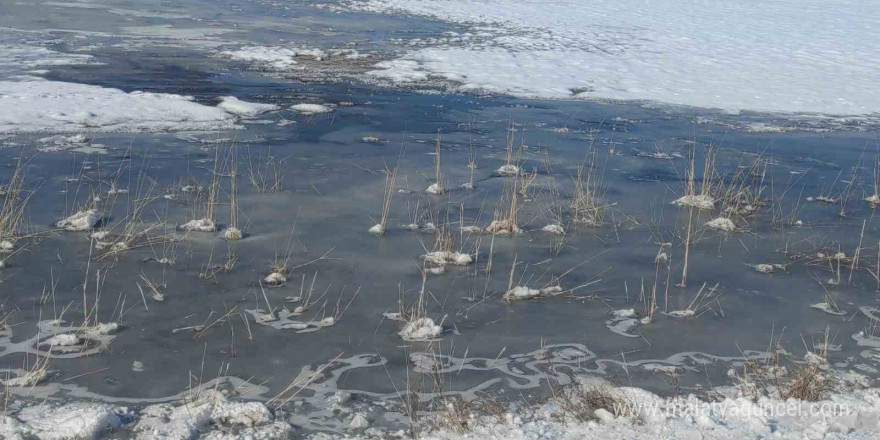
(442, 258)
(242, 108)
(200, 225)
(521, 293)
(508, 170)
(420, 329)
(37, 105)
(184, 421)
(721, 224)
(310, 109)
(81, 221)
(435, 189)
(700, 201)
(554, 229)
(768, 268)
(377, 229)
(503, 227)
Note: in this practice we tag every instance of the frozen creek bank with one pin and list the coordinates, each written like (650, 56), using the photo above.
(207, 416)
(643, 415)
(624, 412)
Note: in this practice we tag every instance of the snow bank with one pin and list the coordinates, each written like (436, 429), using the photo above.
(788, 56)
(37, 105)
(853, 416)
(508, 170)
(243, 108)
(185, 421)
(503, 227)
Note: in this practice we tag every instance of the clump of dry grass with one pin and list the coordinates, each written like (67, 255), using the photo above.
(582, 401)
(742, 195)
(587, 205)
(504, 217)
(13, 208)
(705, 197)
(265, 173)
(768, 376)
(390, 176)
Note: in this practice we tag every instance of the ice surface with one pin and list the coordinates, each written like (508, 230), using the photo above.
(779, 56)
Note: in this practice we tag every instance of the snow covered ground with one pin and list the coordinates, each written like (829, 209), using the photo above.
(787, 56)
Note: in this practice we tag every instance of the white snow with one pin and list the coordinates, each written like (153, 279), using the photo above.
(789, 56)
(81, 221)
(275, 279)
(700, 201)
(840, 416)
(377, 229)
(186, 421)
(523, 292)
(768, 268)
(420, 329)
(200, 225)
(508, 170)
(721, 224)
(310, 109)
(503, 227)
(435, 189)
(272, 57)
(6, 246)
(243, 108)
(70, 421)
(554, 228)
(442, 258)
(828, 308)
(33, 104)
(232, 234)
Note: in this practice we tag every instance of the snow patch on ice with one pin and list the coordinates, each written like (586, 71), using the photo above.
(310, 109)
(721, 224)
(243, 108)
(33, 104)
(420, 329)
(700, 201)
(81, 221)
